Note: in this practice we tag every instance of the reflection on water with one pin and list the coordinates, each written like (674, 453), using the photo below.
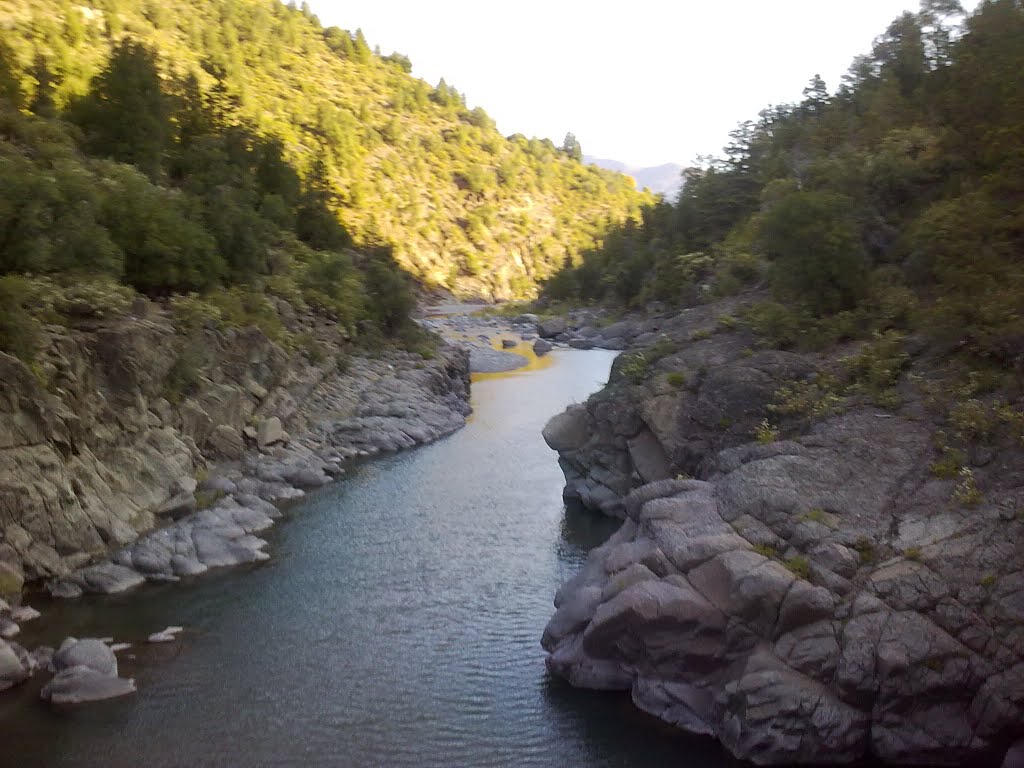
(397, 624)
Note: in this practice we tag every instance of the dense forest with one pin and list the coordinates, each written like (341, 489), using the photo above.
(894, 205)
(235, 151)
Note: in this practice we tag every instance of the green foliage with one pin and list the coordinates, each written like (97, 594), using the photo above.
(125, 115)
(812, 399)
(912, 553)
(948, 466)
(676, 379)
(875, 370)
(765, 432)
(966, 493)
(799, 566)
(866, 549)
(633, 367)
(817, 515)
(184, 377)
(270, 127)
(767, 550)
(19, 331)
(817, 259)
(893, 204)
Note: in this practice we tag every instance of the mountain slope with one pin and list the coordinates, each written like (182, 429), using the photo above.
(665, 179)
(406, 163)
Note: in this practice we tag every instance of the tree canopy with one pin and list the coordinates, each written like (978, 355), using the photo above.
(896, 202)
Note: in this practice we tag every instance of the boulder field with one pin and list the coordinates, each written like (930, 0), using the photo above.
(822, 594)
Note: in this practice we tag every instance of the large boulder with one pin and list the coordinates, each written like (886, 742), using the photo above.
(15, 665)
(87, 652)
(567, 431)
(270, 432)
(541, 347)
(551, 327)
(81, 685)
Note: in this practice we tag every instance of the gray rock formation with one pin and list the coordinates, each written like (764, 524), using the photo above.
(822, 599)
(551, 327)
(86, 670)
(16, 665)
(85, 471)
(541, 347)
(81, 685)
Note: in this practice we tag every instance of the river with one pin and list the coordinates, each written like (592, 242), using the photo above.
(397, 624)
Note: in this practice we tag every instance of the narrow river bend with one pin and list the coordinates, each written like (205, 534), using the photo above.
(397, 624)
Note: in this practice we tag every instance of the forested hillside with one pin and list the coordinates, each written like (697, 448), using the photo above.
(186, 146)
(894, 205)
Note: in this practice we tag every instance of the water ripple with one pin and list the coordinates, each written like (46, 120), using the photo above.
(397, 625)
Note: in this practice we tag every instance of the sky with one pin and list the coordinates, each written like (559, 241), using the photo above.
(644, 82)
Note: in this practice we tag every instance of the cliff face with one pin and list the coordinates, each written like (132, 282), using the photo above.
(827, 597)
(104, 439)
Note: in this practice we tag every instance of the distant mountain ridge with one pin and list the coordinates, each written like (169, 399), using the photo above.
(665, 179)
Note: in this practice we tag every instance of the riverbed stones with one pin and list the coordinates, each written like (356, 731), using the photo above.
(81, 685)
(88, 652)
(542, 346)
(168, 635)
(86, 670)
(551, 327)
(11, 579)
(269, 431)
(8, 628)
(16, 665)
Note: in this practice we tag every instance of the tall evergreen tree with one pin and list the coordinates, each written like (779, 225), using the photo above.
(125, 116)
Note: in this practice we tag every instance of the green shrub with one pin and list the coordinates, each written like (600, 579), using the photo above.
(307, 344)
(779, 325)
(814, 399)
(866, 549)
(765, 433)
(767, 550)
(702, 334)
(875, 370)
(967, 492)
(185, 374)
(19, 331)
(676, 379)
(798, 566)
(634, 367)
(948, 466)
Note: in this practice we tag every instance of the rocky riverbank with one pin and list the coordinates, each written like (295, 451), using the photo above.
(824, 589)
(113, 471)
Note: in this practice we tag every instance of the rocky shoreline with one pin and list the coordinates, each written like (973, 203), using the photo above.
(100, 461)
(818, 592)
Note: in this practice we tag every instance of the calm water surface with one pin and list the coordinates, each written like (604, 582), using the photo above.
(397, 624)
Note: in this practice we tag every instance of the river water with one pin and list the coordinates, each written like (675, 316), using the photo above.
(397, 624)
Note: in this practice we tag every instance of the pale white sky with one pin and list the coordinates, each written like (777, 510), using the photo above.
(641, 81)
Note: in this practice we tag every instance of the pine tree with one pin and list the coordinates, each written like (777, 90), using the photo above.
(125, 115)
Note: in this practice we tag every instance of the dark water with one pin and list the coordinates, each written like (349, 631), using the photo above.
(397, 624)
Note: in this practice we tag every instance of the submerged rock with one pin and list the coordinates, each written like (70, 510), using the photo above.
(86, 670)
(81, 685)
(88, 652)
(16, 665)
(168, 635)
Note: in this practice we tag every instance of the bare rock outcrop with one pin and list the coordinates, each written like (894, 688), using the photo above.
(827, 598)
